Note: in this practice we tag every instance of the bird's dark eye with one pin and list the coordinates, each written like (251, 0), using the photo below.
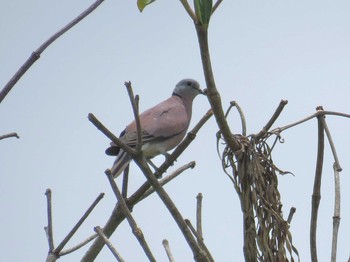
(189, 83)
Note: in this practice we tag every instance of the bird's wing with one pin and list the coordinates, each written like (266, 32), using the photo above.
(160, 122)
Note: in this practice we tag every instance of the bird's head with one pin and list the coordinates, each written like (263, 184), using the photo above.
(187, 88)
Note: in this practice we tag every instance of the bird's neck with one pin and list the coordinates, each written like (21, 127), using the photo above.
(176, 94)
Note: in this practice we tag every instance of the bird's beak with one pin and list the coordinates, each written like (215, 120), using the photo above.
(203, 92)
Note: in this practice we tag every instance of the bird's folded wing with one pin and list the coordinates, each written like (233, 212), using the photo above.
(161, 122)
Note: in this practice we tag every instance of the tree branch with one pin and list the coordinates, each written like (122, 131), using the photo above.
(291, 214)
(55, 253)
(168, 178)
(135, 229)
(272, 120)
(115, 253)
(241, 115)
(168, 251)
(36, 54)
(9, 135)
(331, 143)
(316, 195)
(200, 240)
(76, 247)
(336, 216)
(110, 135)
(78, 224)
(198, 253)
(279, 130)
(216, 5)
(199, 216)
(189, 10)
(212, 93)
(134, 100)
(48, 229)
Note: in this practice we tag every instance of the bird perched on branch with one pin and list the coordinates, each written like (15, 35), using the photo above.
(162, 127)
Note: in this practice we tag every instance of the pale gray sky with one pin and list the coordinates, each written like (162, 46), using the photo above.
(262, 52)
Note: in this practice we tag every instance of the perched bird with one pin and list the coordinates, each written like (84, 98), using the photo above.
(162, 127)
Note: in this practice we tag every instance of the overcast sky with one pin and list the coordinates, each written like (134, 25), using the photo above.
(262, 52)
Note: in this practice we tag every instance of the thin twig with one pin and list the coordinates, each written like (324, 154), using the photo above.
(199, 216)
(200, 240)
(167, 250)
(241, 115)
(125, 182)
(189, 10)
(331, 143)
(168, 178)
(279, 130)
(135, 229)
(216, 5)
(115, 253)
(110, 135)
(79, 245)
(78, 224)
(316, 195)
(272, 120)
(36, 54)
(336, 216)
(291, 214)
(9, 135)
(163, 195)
(134, 100)
(48, 229)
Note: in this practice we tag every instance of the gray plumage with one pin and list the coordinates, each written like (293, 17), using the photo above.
(162, 127)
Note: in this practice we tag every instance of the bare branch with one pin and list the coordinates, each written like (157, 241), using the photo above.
(36, 54)
(80, 245)
(189, 10)
(125, 182)
(200, 241)
(279, 130)
(216, 5)
(48, 229)
(331, 143)
(78, 224)
(9, 135)
(212, 92)
(199, 216)
(241, 114)
(291, 214)
(168, 251)
(110, 135)
(168, 178)
(134, 100)
(163, 195)
(135, 229)
(271, 121)
(336, 216)
(316, 195)
(99, 231)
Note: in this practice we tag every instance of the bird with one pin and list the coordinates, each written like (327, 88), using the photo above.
(163, 126)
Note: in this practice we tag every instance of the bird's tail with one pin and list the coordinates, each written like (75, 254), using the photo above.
(122, 161)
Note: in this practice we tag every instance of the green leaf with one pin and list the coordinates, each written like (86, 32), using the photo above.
(141, 4)
(203, 9)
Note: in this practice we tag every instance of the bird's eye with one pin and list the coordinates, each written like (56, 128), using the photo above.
(189, 83)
